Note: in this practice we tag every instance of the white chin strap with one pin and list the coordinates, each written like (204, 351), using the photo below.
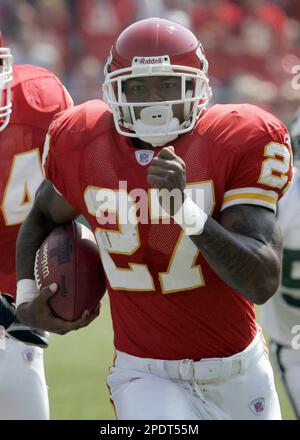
(153, 120)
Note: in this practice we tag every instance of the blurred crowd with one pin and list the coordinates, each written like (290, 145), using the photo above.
(253, 46)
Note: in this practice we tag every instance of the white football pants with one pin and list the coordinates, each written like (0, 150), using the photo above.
(23, 390)
(237, 387)
(288, 364)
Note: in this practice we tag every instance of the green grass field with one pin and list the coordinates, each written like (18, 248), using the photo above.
(77, 366)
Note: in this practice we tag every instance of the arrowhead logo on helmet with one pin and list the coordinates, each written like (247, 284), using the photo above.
(156, 48)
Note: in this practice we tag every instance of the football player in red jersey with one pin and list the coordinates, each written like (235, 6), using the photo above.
(29, 98)
(182, 282)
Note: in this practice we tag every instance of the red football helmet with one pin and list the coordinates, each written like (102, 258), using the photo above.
(156, 47)
(5, 83)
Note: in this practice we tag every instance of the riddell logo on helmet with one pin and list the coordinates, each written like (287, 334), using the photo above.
(150, 60)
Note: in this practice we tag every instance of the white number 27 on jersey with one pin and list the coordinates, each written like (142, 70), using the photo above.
(182, 273)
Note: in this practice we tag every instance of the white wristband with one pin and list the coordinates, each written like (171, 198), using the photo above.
(190, 217)
(26, 291)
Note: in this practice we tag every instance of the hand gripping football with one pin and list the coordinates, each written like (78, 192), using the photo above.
(69, 256)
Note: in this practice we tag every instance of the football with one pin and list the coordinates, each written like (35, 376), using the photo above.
(69, 256)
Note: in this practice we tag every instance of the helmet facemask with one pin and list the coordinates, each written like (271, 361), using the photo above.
(6, 61)
(156, 123)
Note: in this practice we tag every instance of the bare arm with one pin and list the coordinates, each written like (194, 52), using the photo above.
(244, 249)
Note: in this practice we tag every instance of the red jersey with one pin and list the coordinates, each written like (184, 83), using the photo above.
(166, 301)
(37, 95)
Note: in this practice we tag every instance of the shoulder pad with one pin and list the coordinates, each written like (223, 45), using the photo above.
(231, 125)
(76, 126)
(42, 90)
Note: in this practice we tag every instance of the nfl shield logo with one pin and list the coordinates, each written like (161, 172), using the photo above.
(28, 355)
(257, 405)
(144, 157)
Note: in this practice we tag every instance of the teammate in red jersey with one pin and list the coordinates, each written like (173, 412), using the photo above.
(29, 98)
(182, 276)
